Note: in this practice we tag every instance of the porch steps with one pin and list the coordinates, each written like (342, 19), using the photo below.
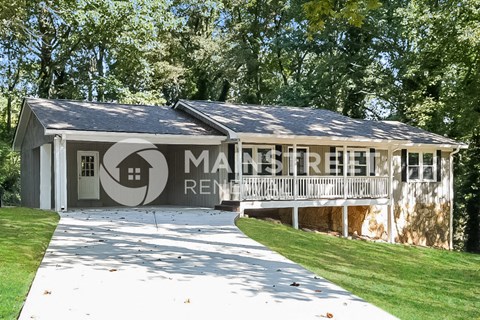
(229, 205)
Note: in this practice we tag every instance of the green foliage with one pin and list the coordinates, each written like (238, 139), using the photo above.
(415, 61)
(409, 282)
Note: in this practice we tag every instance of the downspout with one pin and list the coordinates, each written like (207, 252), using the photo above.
(450, 244)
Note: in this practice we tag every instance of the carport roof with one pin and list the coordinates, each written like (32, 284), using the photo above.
(114, 117)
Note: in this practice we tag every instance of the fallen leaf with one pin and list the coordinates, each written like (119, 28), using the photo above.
(112, 270)
(294, 284)
(47, 292)
(329, 315)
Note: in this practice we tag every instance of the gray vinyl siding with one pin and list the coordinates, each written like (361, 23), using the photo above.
(173, 194)
(30, 162)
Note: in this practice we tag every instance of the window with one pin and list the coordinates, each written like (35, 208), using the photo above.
(421, 166)
(302, 161)
(258, 160)
(357, 162)
(87, 166)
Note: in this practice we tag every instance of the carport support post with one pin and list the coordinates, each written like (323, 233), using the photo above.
(295, 217)
(60, 165)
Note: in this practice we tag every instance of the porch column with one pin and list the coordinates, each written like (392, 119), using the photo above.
(294, 164)
(240, 169)
(390, 207)
(345, 193)
(46, 176)
(60, 161)
(345, 171)
(295, 217)
(345, 221)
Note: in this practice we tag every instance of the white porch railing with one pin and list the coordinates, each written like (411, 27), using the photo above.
(312, 187)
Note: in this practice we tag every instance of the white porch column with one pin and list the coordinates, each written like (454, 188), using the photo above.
(240, 169)
(46, 176)
(390, 207)
(60, 161)
(345, 221)
(345, 192)
(295, 217)
(294, 164)
(345, 171)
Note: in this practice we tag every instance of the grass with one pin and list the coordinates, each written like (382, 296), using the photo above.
(24, 237)
(409, 282)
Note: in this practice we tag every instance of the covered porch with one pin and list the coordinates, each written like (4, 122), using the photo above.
(347, 175)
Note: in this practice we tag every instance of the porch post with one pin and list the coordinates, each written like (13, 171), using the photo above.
(46, 176)
(294, 163)
(345, 193)
(239, 170)
(345, 221)
(390, 207)
(345, 171)
(60, 159)
(295, 217)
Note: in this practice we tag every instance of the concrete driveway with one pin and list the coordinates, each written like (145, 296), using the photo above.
(115, 264)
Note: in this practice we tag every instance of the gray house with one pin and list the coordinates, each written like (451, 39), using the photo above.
(312, 168)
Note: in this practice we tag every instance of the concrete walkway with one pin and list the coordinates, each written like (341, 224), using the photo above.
(115, 264)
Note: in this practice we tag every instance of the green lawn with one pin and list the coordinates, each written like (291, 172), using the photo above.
(24, 236)
(409, 282)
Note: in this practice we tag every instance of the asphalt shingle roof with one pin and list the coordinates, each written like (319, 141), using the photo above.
(112, 117)
(310, 122)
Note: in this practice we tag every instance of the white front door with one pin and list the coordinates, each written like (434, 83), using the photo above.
(88, 183)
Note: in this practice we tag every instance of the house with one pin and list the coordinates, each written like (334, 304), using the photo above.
(309, 167)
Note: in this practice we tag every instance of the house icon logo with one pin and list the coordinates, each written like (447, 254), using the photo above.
(133, 172)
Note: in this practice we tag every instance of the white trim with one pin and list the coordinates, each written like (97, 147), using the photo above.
(46, 176)
(311, 203)
(23, 119)
(101, 136)
(350, 168)
(339, 141)
(256, 164)
(96, 187)
(289, 160)
(420, 165)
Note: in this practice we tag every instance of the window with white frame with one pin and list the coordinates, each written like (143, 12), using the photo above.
(302, 161)
(421, 166)
(258, 160)
(357, 162)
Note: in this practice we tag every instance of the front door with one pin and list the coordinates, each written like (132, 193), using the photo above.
(88, 183)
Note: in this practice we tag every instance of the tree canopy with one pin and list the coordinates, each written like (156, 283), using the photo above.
(416, 61)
